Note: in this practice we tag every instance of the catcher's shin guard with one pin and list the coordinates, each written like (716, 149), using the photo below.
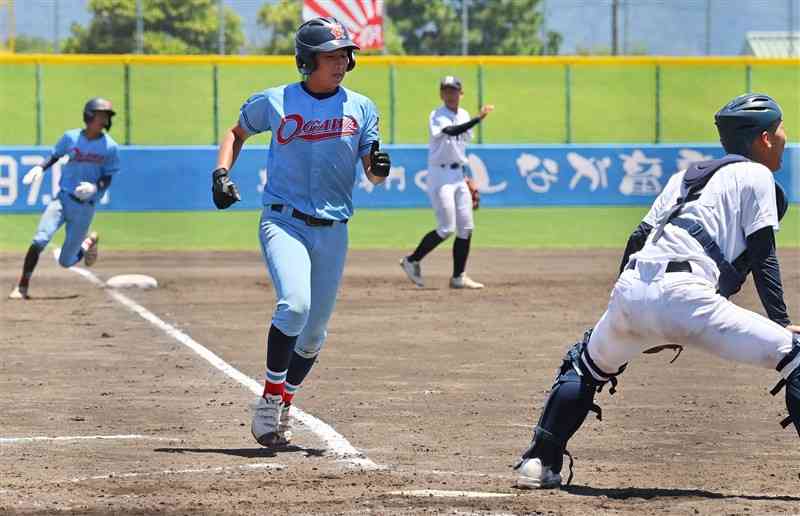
(789, 368)
(566, 408)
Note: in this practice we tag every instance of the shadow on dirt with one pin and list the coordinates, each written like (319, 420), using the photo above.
(53, 298)
(647, 493)
(250, 453)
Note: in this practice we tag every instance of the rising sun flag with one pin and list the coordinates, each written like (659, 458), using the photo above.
(362, 18)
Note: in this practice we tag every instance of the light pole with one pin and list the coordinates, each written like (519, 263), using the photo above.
(139, 28)
(221, 45)
(614, 29)
(464, 27)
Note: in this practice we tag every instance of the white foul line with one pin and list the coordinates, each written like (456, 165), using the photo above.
(12, 440)
(334, 441)
(440, 472)
(219, 469)
(438, 493)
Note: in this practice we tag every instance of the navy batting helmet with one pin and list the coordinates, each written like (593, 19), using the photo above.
(321, 35)
(98, 104)
(744, 118)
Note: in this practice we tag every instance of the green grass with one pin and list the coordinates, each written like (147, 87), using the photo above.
(531, 228)
(173, 104)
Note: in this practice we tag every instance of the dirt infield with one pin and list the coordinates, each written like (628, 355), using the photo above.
(438, 387)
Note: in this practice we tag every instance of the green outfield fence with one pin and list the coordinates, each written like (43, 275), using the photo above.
(190, 100)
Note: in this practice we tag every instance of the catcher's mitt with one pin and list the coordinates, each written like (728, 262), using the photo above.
(476, 195)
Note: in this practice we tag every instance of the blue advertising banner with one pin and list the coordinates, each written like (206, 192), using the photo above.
(178, 178)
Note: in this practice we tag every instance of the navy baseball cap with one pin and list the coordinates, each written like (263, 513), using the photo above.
(450, 81)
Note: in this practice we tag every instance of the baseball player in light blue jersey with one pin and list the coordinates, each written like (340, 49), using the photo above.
(93, 161)
(320, 132)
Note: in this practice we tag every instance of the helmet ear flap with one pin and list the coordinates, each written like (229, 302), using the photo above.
(302, 66)
(305, 60)
(351, 59)
(88, 116)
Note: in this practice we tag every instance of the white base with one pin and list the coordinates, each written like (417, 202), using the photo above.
(132, 281)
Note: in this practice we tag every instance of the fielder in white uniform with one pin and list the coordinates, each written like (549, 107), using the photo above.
(450, 129)
(712, 225)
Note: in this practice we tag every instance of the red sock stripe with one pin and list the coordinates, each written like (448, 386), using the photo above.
(273, 388)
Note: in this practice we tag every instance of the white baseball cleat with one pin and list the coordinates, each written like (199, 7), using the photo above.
(19, 293)
(266, 420)
(90, 248)
(464, 281)
(413, 271)
(531, 474)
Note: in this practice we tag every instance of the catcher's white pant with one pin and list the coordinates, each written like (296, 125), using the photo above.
(451, 200)
(649, 306)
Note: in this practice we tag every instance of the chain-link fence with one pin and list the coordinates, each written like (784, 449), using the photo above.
(190, 100)
(625, 27)
(659, 27)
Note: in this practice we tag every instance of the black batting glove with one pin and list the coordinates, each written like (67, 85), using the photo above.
(223, 189)
(381, 163)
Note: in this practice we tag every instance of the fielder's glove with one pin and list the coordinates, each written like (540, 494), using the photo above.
(473, 191)
(381, 163)
(85, 190)
(34, 174)
(223, 189)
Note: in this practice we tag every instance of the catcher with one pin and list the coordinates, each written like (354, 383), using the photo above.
(453, 195)
(711, 226)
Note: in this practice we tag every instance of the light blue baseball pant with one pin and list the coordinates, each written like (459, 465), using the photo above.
(76, 215)
(306, 265)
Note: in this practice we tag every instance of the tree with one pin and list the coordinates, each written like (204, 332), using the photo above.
(282, 18)
(392, 40)
(426, 27)
(32, 45)
(171, 26)
(508, 27)
(495, 27)
(433, 27)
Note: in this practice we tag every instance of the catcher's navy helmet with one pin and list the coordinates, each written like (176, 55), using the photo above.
(741, 120)
(781, 201)
(98, 104)
(321, 35)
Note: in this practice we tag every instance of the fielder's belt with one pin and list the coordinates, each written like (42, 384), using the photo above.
(77, 199)
(308, 219)
(671, 266)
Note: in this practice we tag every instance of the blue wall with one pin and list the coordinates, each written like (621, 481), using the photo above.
(178, 178)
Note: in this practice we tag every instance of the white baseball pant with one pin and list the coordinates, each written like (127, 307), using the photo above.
(451, 201)
(650, 306)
